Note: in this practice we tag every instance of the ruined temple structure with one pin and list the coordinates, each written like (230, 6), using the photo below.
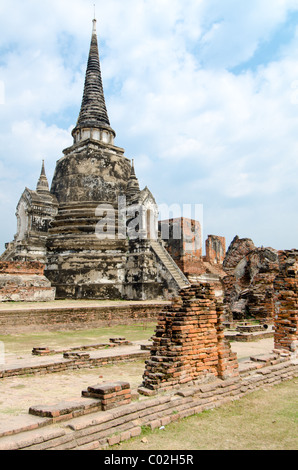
(249, 281)
(182, 238)
(83, 228)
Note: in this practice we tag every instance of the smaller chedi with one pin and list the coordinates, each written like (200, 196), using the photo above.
(35, 211)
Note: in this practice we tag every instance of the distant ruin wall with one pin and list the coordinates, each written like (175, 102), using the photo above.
(215, 249)
(76, 317)
(183, 241)
(238, 248)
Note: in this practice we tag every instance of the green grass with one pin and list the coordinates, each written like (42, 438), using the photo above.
(23, 343)
(263, 420)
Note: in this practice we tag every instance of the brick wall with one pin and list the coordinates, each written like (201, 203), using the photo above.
(14, 267)
(286, 302)
(189, 343)
(111, 395)
(183, 238)
(24, 281)
(75, 318)
(215, 249)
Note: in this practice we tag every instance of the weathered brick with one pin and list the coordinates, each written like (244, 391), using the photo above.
(192, 340)
(286, 289)
(155, 424)
(114, 440)
(124, 436)
(136, 431)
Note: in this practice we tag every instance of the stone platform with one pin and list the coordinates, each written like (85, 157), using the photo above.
(249, 335)
(41, 365)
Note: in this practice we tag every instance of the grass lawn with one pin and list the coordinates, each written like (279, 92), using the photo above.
(23, 343)
(263, 420)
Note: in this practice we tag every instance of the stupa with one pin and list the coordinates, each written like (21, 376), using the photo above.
(97, 232)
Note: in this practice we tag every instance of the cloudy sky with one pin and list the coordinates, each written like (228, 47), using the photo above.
(203, 94)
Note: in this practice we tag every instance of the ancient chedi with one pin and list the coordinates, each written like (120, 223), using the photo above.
(94, 230)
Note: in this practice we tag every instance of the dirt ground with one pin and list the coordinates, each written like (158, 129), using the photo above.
(17, 394)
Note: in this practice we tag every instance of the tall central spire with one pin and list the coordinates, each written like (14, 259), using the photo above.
(93, 121)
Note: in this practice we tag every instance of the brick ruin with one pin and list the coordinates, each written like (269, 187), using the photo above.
(111, 395)
(24, 281)
(262, 284)
(249, 281)
(183, 241)
(286, 291)
(182, 238)
(189, 343)
(215, 249)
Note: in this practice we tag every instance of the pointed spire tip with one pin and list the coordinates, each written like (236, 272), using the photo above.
(94, 26)
(94, 21)
(43, 172)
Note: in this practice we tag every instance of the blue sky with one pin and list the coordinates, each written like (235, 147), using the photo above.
(203, 95)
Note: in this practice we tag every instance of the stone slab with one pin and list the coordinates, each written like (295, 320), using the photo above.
(63, 408)
(22, 423)
(27, 439)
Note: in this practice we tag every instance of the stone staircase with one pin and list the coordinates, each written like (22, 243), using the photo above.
(7, 255)
(168, 262)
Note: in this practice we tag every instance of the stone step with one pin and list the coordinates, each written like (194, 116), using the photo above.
(28, 439)
(71, 408)
(168, 261)
(170, 264)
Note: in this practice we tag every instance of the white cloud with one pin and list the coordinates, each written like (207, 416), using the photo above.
(2, 92)
(40, 141)
(234, 29)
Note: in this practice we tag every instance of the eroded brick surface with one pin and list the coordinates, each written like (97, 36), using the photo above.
(24, 281)
(286, 290)
(189, 343)
(111, 395)
(248, 286)
(215, 249)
